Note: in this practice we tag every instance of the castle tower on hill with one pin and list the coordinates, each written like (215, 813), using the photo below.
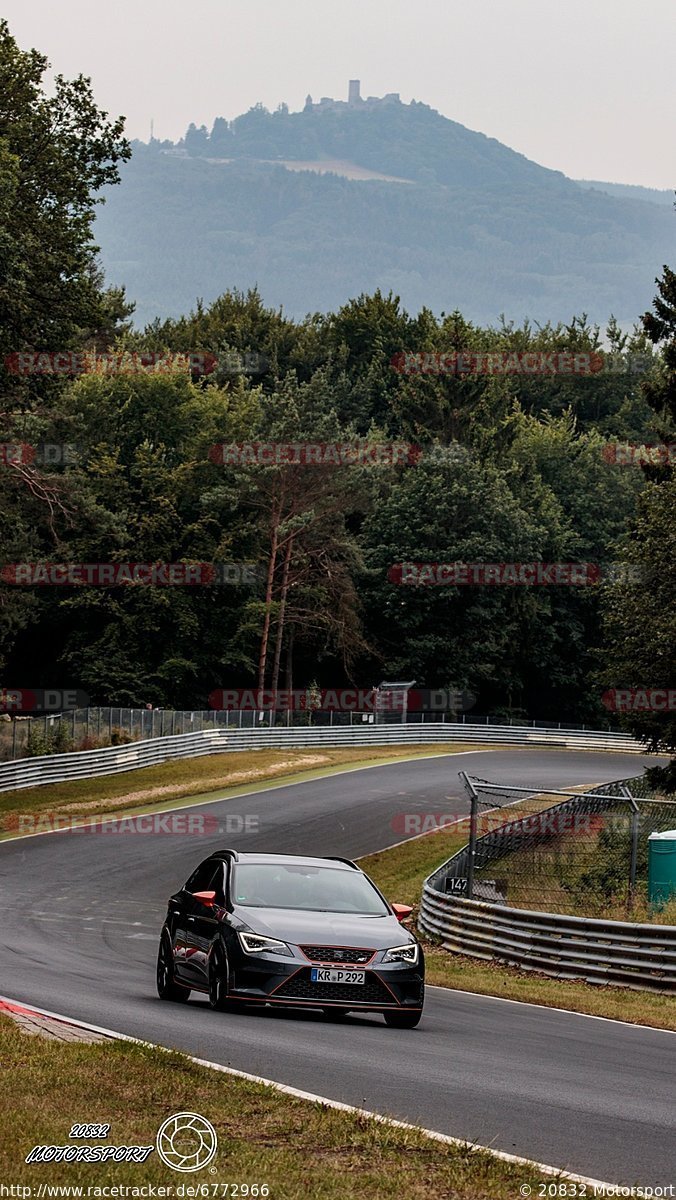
(354, 100)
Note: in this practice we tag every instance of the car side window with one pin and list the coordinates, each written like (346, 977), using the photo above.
(208, 877)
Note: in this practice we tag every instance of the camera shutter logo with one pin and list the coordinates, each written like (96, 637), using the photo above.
(186, 1142)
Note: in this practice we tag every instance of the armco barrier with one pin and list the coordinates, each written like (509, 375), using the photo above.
(597, 951)
(85, 728)
(592, 949)
(87, 764)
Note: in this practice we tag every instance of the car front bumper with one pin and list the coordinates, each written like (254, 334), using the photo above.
(273, 979)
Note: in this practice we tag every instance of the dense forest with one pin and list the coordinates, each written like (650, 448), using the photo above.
(510, 467)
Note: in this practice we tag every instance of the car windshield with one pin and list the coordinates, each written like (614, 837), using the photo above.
(315, 889)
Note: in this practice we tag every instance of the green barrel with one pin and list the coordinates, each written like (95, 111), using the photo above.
(662, 866)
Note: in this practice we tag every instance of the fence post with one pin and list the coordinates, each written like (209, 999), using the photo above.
(471, 849)
(635, 817)
(635, 820)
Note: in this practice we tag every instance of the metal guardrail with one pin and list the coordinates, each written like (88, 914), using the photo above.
(597, 951)
(87, 764)
(92, 728)
(635, 955)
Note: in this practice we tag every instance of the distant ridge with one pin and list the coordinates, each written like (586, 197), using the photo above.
(632, 191)
(382, 134)
(297, 204)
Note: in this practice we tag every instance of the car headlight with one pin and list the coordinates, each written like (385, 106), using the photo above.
(255, 943)
(405, 954)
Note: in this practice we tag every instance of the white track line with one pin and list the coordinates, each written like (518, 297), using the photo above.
(544, 1168)
(571, 1012)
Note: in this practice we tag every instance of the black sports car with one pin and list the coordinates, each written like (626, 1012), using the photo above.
(284, 929)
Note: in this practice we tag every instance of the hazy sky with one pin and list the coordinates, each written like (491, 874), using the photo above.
(584, 86)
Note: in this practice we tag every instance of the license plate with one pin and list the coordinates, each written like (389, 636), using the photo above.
(333, 975)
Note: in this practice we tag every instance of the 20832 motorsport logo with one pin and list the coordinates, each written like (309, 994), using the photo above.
(186, 1141)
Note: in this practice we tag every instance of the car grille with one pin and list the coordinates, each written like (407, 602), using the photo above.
(301, 987)
(338, 954)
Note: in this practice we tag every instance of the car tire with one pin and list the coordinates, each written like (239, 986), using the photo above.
(167, 988)
(218, 982)
(402, 1020)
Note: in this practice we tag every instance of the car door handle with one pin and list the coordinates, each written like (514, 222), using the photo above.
(191, 919)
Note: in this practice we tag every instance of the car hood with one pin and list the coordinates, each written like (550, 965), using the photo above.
(324, 928)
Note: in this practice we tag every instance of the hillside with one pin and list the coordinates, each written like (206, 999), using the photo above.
(471, 224)
(632, 191)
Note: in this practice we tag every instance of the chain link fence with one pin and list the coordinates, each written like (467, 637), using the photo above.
(93, 728)
(586, 855)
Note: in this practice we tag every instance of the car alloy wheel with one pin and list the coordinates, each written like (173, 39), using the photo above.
(218, 982)
(167, 988)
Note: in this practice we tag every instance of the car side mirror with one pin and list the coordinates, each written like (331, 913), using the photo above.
(208, 899)
(402, 911)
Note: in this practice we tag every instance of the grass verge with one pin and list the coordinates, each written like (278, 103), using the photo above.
(208, 778)
(400, 872)
(298, 1148)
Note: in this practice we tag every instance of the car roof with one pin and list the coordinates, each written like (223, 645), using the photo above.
(340, 864)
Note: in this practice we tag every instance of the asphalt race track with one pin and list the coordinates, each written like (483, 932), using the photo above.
(80, 921)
